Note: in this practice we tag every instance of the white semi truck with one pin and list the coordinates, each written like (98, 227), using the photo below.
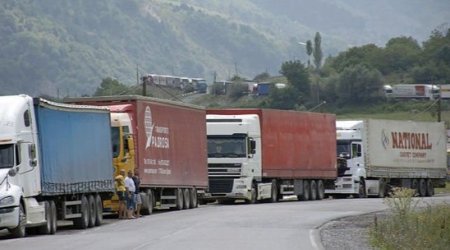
(374, 155)
(55, 163)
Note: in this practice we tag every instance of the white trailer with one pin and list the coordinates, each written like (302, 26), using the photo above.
(374, 155)
(412, 91)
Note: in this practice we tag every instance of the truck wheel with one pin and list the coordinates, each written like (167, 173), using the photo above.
(147, 203)
(186, 199)
(179, 199)
(20, 230)
(274, 194)
(99, 210)
(422, 188)
(430, 188)
(306, 191)
(54, 217)
(320, 190)
(83, 221)
(362, 189)
(46, 229)
(92, 210)
(382, 188)
(313, 190)
(415, 186)
(193, 197)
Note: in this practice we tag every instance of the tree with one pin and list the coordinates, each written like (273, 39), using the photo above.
(297, 75)
(111, 86)
(400, 54)
(359, 85)
(317, 53)
(287, 98)
(261, 77)
(309, 51)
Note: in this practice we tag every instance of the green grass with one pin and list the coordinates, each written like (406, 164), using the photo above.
(411, 228)
(445, 190)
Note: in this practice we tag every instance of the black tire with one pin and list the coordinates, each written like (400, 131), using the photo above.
(313, 190)
(362, 189)
(147, 203)
(92, 210)
(193, 197)
(186, 199)
(320, 190)
(430, 188)
(415, 186)
(54, 217)
(99, 210)
(306, 191)
(422, 188)
(179, 199)
(20, 230)
(47, 227)
(274, 193)
(382, 188)
(83, 221)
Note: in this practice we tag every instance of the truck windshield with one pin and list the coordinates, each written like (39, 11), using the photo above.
(115, 139)
(343, 149)
(227, 147)
(6, 156)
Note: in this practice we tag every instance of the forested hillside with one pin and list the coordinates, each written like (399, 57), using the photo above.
(62, 48)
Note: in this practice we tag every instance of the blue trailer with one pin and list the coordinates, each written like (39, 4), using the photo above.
(75, 149)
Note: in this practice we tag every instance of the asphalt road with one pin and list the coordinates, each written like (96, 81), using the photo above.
(283, 225)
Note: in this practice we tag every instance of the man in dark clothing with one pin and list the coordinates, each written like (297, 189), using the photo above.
(138, 200)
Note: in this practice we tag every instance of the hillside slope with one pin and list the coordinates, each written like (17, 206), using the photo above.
(64, 48)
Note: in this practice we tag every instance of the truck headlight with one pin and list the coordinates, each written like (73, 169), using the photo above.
(8, 200)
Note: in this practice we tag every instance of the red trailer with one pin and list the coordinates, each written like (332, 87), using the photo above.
(169, 147)
(287, 153)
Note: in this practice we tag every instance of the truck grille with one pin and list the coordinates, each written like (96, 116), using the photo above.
(220, 185)
(224, 170)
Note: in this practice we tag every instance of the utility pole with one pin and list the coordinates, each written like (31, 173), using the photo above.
(438, 104)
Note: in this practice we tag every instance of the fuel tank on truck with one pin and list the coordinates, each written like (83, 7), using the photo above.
(294, 144)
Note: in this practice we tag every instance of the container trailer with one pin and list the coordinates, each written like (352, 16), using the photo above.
(165, 142)
(265, 154)
(375, 155)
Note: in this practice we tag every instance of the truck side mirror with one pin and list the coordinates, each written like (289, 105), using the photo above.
(12, 172)
(252, 146)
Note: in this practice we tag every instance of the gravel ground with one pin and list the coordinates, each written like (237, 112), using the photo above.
(349, 233)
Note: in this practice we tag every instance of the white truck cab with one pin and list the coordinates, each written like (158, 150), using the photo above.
(351, 169)
(19, 167)
(234, 157)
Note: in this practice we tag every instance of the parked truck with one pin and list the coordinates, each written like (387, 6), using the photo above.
(55, 163)
(165, 142)
(264, 154)
(412, 91)
(375, 155)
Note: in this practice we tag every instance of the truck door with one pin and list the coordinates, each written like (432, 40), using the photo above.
(356, 156)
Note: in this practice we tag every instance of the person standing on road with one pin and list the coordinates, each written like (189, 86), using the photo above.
(120, 188)
(131, 189)
(138, 200)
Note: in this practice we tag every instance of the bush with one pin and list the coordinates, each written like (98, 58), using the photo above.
(407, 228)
